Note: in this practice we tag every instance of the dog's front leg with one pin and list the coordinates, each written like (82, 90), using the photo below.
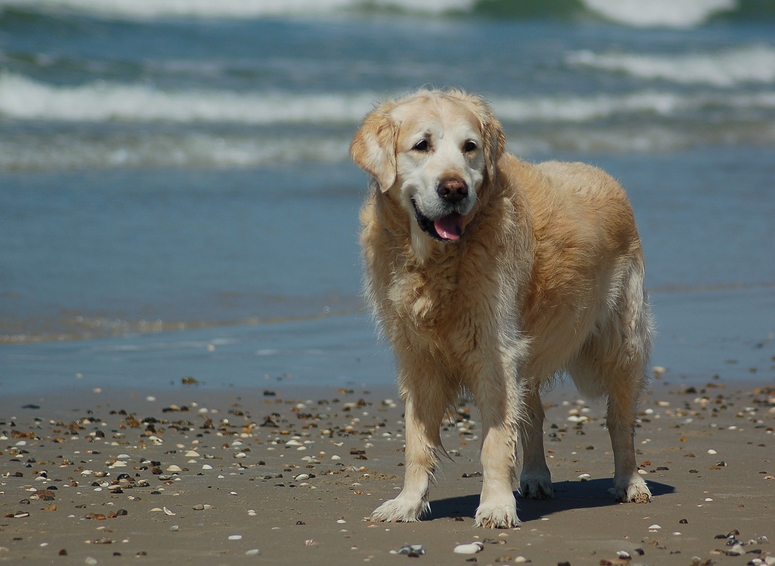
(423, 442)
(498, 405)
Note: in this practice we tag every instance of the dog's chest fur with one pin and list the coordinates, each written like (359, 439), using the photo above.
(438, 301)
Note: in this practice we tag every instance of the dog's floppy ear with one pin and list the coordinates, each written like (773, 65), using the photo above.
(492, 134)
(374, 146)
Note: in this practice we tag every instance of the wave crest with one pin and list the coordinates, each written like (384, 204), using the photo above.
(25, 99)
(754, 64)
(636, 13)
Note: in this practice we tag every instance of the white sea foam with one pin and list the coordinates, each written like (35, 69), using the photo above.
(25, 99)
(149, 9)
(640, 13)
(22, 98)
(668, 13)
(728, 68)
(71, 151)
(585, 109)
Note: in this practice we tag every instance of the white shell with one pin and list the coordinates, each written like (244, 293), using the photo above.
(470, 548)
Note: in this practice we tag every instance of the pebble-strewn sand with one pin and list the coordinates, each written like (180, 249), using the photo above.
(287, 477)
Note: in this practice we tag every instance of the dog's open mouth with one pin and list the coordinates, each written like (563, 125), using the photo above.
(446, 228)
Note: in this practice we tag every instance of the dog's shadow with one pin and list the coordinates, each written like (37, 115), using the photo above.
(567, 495)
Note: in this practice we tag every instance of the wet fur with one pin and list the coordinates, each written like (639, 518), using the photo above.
(546, 278)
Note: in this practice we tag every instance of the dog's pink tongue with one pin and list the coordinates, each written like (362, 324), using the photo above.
(449, 227)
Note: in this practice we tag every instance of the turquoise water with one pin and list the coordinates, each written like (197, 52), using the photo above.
(175, 175)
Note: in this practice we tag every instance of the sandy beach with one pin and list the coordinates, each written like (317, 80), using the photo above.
(100, 476)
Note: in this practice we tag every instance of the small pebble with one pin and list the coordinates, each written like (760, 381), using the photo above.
(253, 552)
(412, 550)
(235, 537)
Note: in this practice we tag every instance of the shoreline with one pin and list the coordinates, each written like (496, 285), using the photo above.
(234, 476)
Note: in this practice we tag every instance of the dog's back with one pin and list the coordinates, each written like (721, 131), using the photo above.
(587, 257)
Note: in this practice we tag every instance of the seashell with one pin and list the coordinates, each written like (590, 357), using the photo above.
(470, 548)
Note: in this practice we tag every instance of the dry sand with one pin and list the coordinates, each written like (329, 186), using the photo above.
(248, 477)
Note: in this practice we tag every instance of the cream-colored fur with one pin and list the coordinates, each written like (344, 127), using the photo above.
(491, 275)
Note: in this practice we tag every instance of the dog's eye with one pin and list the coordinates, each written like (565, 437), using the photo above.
(469, 146)
(421, 145)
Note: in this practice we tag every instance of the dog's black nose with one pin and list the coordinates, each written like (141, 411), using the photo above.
(452, 189)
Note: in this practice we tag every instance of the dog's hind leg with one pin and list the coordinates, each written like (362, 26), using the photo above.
(628, 483)
(622, 387)
(613, 363)
(424, 411)
(535, 481)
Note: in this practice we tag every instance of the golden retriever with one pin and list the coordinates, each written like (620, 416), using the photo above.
(492, 276)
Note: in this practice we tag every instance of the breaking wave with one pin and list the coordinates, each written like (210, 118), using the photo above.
(22, 98)
(753, 64)
(25, 99)
(637, 13)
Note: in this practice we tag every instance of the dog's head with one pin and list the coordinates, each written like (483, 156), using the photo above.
(433, 150)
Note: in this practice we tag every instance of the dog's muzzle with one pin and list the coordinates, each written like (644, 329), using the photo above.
(447, 228)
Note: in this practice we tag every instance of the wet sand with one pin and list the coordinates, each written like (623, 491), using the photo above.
(288, 476)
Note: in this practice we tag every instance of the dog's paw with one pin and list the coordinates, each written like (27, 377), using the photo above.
(401, 510)
(635, 491)
(536, 486)
(497, 516)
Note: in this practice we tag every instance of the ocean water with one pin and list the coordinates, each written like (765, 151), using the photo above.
(177, 198)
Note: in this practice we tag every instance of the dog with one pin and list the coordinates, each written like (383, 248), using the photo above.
(493, 277)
